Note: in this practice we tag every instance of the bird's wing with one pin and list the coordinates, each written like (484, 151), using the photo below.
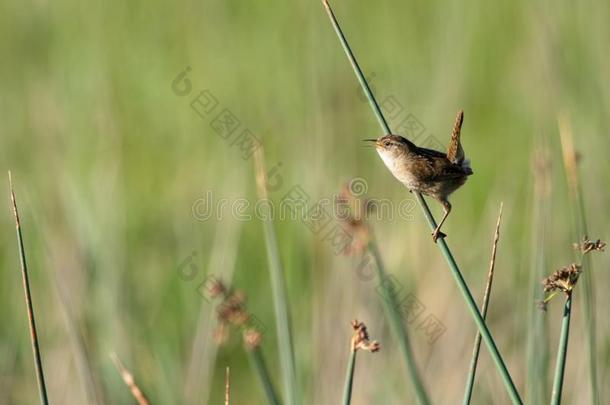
(455, 153)
(448, 172)
(434, 166)
(430, 153)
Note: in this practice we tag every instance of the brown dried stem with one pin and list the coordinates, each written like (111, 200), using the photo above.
(129, 381)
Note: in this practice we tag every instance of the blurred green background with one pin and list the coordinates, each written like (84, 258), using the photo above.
(108, 163)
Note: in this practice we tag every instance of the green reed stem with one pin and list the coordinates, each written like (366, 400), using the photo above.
(537, 352)
(472, 306)
(392, 311)
(349, 378)
(278, 286)
(257, 362)
(561, 352)
(42, 389)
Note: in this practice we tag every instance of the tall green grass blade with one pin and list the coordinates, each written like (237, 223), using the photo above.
(349, 378)
(42, 389)
(257, 362)
(392, 311)
(537, 347)
(477, 341)
(280, 301)
(561, 352)
(472, 306)
(580, 230)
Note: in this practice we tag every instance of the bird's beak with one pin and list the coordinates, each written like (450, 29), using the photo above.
(370, 140)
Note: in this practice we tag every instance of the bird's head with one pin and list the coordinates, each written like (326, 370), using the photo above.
(390, 147)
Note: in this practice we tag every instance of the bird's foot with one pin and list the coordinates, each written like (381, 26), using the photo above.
(437, 234)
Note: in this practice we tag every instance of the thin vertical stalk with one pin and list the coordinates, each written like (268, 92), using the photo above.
(42, 389)
(280, 301)
(472, 306)
(349, 378)
(391, 308)
(260, 369)
(227, 386)
(537, 352)
(129, 381)
(477, 341)
(580, 230)
(561, 352)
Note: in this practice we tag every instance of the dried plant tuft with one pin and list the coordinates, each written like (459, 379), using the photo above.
(232, 312)
(361, 340)
(587, 245)
(563, 279)
(252, 338)
(353, 214)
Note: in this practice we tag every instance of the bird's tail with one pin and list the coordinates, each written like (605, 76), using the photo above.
(455, 153)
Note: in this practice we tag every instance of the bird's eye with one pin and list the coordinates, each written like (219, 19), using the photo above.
(386, 144)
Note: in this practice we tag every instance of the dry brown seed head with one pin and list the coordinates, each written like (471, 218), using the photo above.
(360, 339)
(252, 338)
(216, 289)
(588, 245)
(563, 279)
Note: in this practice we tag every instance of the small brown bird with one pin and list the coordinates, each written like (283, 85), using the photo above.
(427, 171)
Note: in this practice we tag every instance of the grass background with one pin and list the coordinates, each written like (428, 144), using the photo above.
(108, 163)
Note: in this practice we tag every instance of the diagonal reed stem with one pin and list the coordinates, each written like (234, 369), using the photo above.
(477, 341)
(257, 362)
(561, 352)
(28, 300)
(280, 301)
(472, 306)
(391, 308)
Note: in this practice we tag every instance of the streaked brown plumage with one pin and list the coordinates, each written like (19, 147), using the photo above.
(427, 171)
